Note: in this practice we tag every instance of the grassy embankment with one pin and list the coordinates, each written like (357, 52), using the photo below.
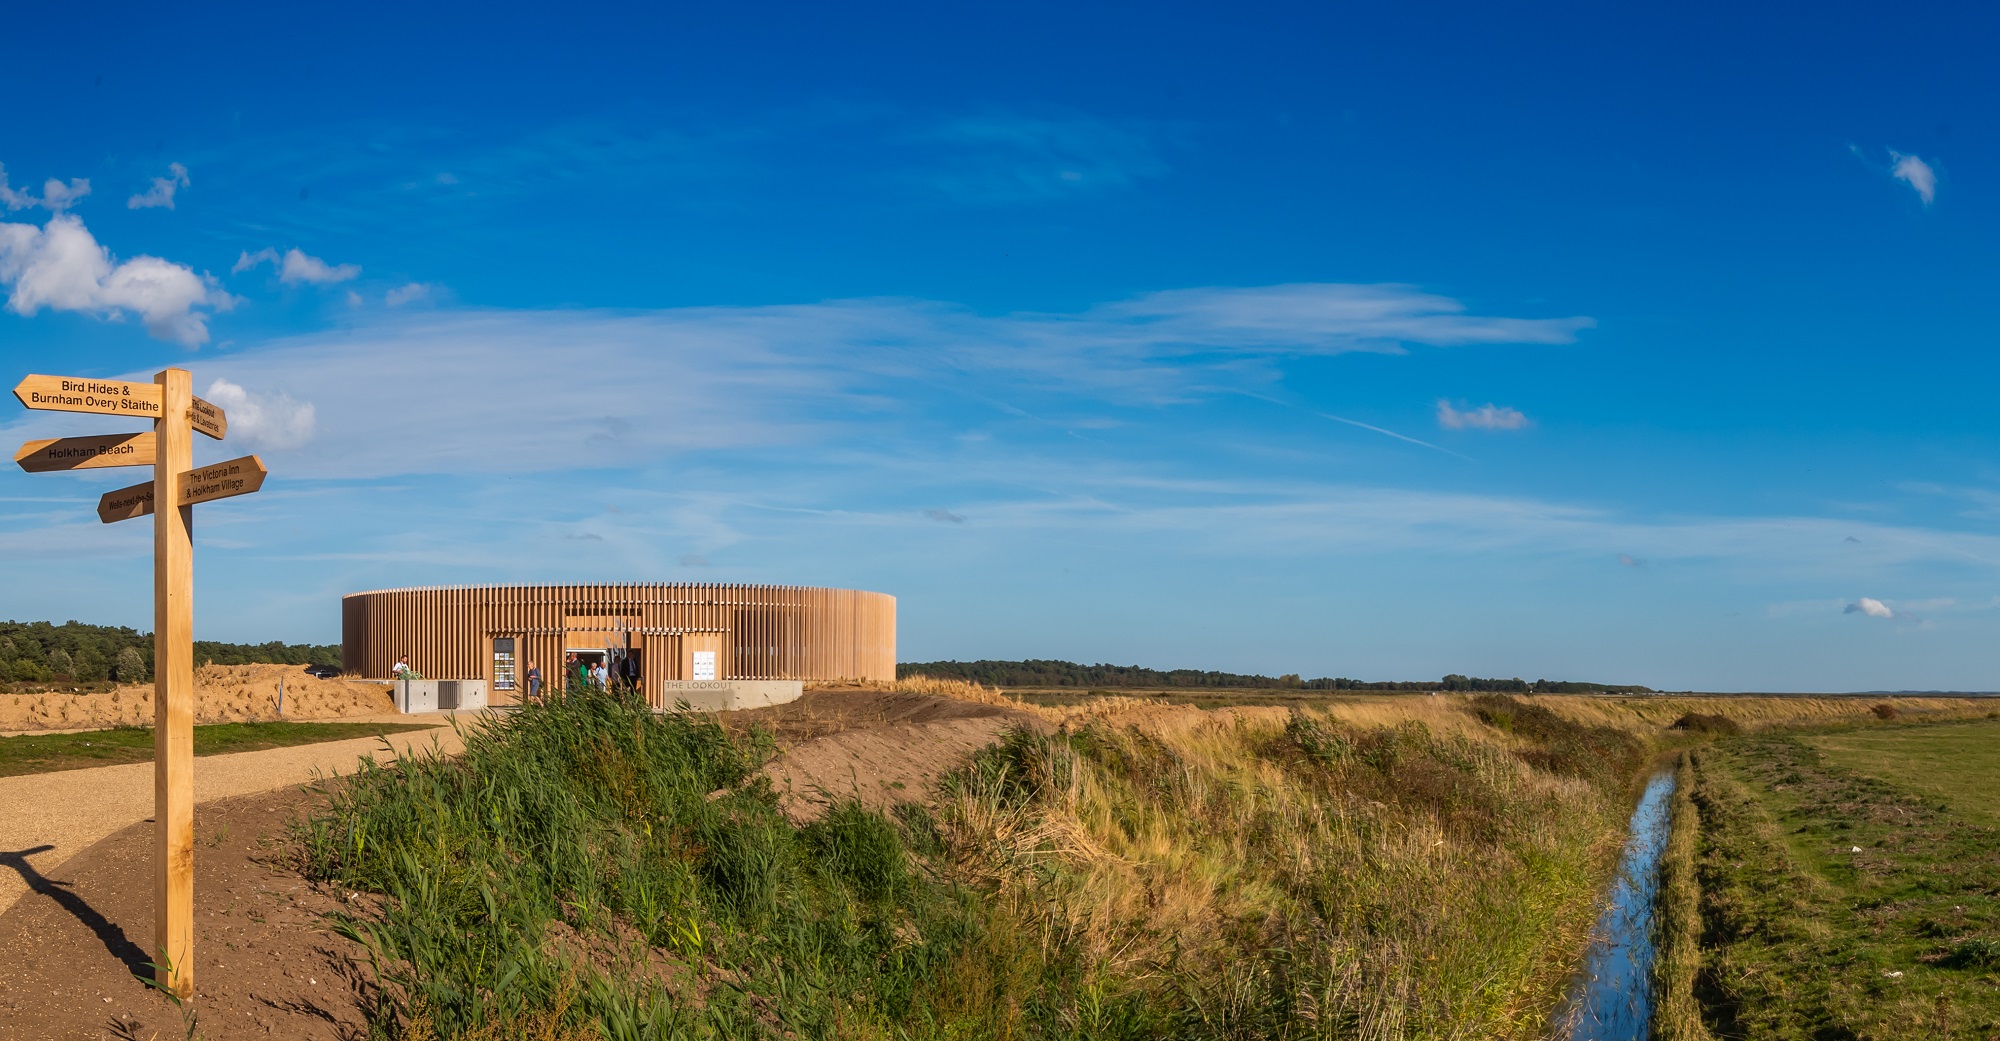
(1382, 867)
(594, 867)
(46, 753)
(1848, 885)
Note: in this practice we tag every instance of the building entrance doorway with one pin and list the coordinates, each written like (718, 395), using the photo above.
(622, 668)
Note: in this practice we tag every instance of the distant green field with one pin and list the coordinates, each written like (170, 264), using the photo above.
(46, 753)
(1959, 762)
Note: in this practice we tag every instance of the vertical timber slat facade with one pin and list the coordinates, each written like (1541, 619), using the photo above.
(753, 632)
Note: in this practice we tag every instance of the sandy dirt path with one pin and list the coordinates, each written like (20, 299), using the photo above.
(47, 818)
(881, 766)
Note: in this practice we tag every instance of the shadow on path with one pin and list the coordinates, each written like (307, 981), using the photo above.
(112, 936)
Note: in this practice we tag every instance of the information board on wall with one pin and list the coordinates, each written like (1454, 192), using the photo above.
(704, 665)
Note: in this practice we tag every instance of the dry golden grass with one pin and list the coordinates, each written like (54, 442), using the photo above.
(1643, 715)
(1758, 713)
(1445, 712)
(1200, 853)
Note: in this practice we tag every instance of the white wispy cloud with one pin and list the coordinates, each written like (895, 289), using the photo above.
(1871, 607)
(161, 194)
(1916, 173)
(62, 267)
(248, 260)
(56, 196)
(273, 420)
(1386, 432)
(1318, 318)
(414, 292)
(295, 267)
(1485, 417)
(683, 378)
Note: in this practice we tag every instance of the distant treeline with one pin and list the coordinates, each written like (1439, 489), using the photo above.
(1039, 673)
(33, 652)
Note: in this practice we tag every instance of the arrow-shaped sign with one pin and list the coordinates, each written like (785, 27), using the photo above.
(201, 484)
(208, 419)
(77, 394)
(126, 503)
(235, 477)
(84, 453)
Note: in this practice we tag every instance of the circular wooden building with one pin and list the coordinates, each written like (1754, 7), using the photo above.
(656, 631)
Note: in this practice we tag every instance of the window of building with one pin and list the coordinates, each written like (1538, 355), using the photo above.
(503, 663)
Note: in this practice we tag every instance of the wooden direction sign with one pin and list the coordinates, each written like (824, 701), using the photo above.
(85, 453)
(201, 484)
(126, 503)
(208, 419)
(77, 394)
(176, 415)
(235, 477)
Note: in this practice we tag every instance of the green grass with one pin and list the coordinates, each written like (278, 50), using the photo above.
(1959, 762)
(590, 868)
(46, 753)
(1838, 905)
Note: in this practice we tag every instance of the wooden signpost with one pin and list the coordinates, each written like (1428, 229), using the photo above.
(168, 448)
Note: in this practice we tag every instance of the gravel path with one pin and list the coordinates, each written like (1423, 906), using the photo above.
(47, 818)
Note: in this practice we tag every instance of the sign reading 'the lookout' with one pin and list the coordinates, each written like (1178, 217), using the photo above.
(75, 394)
(208, 419)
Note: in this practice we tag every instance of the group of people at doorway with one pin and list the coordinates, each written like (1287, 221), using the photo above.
(577, 673)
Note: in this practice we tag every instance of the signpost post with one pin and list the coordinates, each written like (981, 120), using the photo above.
(177, 414)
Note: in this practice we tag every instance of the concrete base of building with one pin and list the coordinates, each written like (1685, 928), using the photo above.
(439, 695)
(729, 695)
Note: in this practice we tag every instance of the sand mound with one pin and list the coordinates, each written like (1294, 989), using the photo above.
(883, 743)
(223, 694)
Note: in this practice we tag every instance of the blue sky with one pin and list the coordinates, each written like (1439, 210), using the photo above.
(1643, 346)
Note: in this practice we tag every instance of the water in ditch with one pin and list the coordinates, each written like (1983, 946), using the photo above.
(1612, 999)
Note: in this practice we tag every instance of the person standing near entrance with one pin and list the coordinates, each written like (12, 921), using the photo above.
(534, 682)
(401, 668)
(575, 672)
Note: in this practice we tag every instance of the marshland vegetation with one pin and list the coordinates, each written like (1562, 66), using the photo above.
(1360, 867)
